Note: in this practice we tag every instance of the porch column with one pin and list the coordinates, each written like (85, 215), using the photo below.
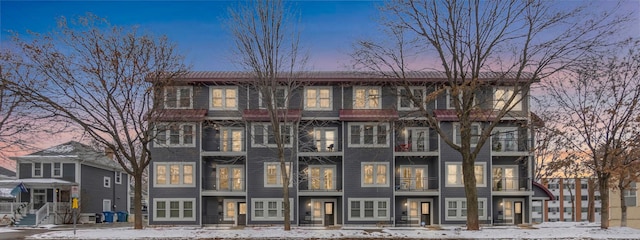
(55, 205)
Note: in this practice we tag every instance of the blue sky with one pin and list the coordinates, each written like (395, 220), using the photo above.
(328, 27)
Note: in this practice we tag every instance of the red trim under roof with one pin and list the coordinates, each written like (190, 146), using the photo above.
(368, 114)
(263, 114)
(179, 115)
(450, 115)
(546, 190)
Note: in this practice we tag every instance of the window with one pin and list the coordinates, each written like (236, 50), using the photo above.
(475, 134)
(375, 174)
(230, 178)
(413, 177)
(174, 209)
(270, 209)
(224, 98)
(368, 135)
(454, 175)
(405, 101)
(505, 177)
(584, 198)
(366, 98)
(178, 97)
(501, 96)
(118, 177)
(231, 139)
(273, 175)
(278, 98)
(317, 98)
(176, 135)
(230, 209)
(504, 140)
(630, 195)
(56, 170)
(322, 177)
(174, 174)
(107, 182)
(450, 100)
(263, 135)
(325, 139)
(553, 186)
(456, 208)
(414, 139)
(364, 209)
(583, 186)
(37, 169)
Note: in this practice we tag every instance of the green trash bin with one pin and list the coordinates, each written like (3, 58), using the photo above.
(123, 216)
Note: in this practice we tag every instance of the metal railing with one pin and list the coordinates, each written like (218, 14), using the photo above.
(224, 184)
(511, 184)
(42, 213)
(416, 184)
(318, 185)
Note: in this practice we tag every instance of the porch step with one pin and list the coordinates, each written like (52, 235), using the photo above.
(27, 220)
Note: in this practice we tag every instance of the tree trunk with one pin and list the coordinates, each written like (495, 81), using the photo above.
(623, 205)
(603, 182)
(468, 171)
(285, 189)
(591, 209)
(137, 200)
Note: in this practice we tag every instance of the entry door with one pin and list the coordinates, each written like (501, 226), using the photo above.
(517, 212)
(508, 211)
(328, 214)
(425, 213)
(242, 213)
(39, 198)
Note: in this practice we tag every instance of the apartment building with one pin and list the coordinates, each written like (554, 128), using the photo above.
(570, 201)
(631, 201)
(357, 152)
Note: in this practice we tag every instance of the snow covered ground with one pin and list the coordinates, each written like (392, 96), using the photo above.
(557, 230)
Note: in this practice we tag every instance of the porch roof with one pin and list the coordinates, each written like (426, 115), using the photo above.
(36, 183)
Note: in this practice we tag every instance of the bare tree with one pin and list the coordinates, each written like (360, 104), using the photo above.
(477, 44)
(267, 47)
(600, 101)
(624, 173)
(103, 79)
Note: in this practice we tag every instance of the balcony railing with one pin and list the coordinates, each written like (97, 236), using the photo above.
(511, 184)
(416, 184)
(320, 185)
(224, 184)
(503, 144)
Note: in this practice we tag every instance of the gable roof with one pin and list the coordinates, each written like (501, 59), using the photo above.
(73, 150)
(6, 173)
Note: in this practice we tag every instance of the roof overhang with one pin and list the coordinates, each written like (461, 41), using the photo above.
(36, 183)
(544, 189)
(450, 115)
(179, 115)
(284, 115)
(368, 114)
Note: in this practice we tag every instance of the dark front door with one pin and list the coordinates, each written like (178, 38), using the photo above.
(425, 213)
(242, 213)
(328, 214)
(517, 208)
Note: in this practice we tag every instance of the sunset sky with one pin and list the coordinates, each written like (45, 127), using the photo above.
(328, 28)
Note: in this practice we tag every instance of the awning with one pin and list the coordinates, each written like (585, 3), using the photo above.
(543, 189)
(368, 114)
(450, 115)
(287, 115)
(36, 183)
(179, 115)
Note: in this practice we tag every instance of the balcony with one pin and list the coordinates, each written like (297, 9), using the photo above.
(508, 146)
(409, 186)
(223, 186)
(320, 187)
(507, 186)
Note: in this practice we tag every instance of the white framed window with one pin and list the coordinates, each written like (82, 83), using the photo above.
(455, 177)
(278, 98)
(501, 96)
(270, 209)
(505, 177)
(450, 100)
(374, 174)
(106, 182)
(405, 102)
(37, 169)
(475, 133)
(631, 195)
(367, 97)
(178, 97)
(456, 209)
(174, 209)
(263, 135)
(322, 177)
(231, 139)
(325, 139)
(176, 135)
(230, 177)
(106, 205)
(504, 139)
(414, 139)
(230, 209)
(318, 98)
(173, 174)
(368, 209)
(56, 169)
(118, 177)
(273, 174)
(224, 98)
(413, 177)
(368, 134)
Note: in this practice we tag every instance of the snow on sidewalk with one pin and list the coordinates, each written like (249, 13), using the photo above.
(558, 230)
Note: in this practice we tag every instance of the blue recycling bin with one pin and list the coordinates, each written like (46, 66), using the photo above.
(123, 216)
(108, 216)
